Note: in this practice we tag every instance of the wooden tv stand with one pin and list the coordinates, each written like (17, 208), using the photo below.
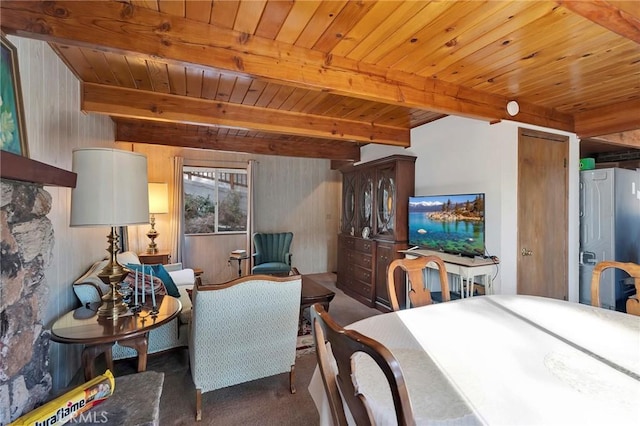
(467, 268)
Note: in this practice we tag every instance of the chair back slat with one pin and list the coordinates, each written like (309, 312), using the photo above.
(419, 295)
(633, 269)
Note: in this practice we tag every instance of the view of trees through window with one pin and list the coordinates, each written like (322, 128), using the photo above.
(215, 200)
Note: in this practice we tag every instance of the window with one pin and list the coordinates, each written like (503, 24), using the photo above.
(215, 200)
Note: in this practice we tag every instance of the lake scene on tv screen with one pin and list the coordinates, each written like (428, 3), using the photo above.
(449, 223)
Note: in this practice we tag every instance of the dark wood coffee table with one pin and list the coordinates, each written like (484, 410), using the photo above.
(312, 292)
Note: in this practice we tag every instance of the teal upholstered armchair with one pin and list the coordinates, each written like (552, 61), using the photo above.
(272, 254)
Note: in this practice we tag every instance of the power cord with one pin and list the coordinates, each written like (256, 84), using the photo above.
(496, 261)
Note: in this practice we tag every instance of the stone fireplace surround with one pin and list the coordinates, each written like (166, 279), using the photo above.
(25, 252)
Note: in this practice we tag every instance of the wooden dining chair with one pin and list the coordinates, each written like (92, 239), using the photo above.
(419, 295)
(633, 269)
(344, 345)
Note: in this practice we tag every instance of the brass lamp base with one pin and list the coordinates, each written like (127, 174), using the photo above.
(152, 234)
(112, 275)
(112, 304)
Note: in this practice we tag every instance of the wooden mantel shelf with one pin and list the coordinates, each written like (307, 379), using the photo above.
(20, 168)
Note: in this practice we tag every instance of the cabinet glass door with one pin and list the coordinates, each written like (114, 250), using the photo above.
(348, 204)
(365, 203)
(386, 201)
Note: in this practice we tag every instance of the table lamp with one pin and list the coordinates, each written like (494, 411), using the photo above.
(111, 190)
(158, 204)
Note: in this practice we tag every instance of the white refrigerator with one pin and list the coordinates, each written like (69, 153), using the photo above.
(609, 230)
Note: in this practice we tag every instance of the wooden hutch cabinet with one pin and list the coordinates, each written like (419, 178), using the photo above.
(375, 199)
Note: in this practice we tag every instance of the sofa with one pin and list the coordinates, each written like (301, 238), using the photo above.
(89, 289)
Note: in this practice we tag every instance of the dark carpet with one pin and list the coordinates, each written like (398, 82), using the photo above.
(260, 402)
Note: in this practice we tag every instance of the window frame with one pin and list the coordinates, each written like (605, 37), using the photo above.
(217, 171)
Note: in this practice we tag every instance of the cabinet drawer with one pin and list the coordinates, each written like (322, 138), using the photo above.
(362, 274)
(361, 288)
(348, 243)
(347, 281)
(363, 260)
(346, 269)
(364, 245)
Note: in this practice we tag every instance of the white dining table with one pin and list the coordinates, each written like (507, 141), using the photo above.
(504, 360)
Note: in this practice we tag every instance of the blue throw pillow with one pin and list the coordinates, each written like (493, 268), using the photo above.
(160, 272)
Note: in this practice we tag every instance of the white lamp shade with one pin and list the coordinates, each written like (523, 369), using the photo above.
(111, 188)
(158, 198)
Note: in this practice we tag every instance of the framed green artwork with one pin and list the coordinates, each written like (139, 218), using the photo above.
(13, 135)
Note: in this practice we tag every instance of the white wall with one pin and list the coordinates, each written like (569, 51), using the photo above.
(55, 126)
(460, 155)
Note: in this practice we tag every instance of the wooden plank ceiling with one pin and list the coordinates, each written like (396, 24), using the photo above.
(322, 78)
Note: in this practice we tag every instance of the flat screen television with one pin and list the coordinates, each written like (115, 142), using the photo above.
(451, 223)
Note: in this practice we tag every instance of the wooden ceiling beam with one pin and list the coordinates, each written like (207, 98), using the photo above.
(111, 26)
(630, 139)
(125, 102)
(188, 136)
(620, 117)
(622, 18)
(339, 165)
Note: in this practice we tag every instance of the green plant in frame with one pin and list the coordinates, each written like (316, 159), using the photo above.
(13, 137)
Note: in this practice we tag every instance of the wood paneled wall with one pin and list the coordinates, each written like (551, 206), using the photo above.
(292, 194)
(301, 196)
(55, 126)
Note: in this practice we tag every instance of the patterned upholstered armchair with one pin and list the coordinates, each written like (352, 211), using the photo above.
(243, 330)
(272, 254)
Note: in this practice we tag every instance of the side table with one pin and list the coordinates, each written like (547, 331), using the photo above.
(198, 273)
(154, 258)
(239, 257)
(98, 334)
